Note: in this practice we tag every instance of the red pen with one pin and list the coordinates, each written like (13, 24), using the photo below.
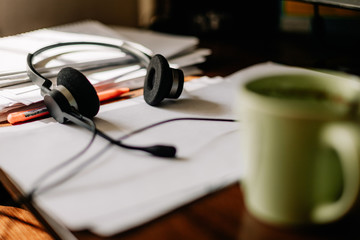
(27, 115)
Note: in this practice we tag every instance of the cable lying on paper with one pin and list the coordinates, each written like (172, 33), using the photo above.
(38, 189)
(74, 99)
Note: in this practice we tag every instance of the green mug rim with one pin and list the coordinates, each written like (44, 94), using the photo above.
(347, 88)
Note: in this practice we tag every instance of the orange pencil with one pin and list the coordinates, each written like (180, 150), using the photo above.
(112, 93)
(27, 115)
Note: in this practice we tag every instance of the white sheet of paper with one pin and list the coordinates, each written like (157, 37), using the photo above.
(122, 181)
(166, 44)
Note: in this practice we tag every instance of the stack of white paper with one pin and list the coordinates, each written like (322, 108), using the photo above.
(121, 189)
(16, 91)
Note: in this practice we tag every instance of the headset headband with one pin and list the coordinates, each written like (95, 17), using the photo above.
(139, 52)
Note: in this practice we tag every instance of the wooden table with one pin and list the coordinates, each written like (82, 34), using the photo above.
(221, 215)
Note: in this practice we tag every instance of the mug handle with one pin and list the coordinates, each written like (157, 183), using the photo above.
(344, 138)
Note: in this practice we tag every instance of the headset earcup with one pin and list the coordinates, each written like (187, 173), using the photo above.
(158, 80)
(81, 89)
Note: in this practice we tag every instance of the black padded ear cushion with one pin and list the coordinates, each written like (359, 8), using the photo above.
(158, 80)
(82, 90)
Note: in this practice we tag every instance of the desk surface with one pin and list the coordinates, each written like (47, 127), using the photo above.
(351, 4)
(221, 215)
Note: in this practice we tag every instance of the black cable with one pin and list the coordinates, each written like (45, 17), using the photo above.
(173, 120)
(72, 173)
(157, 150)
(47, 174)
(37, 190)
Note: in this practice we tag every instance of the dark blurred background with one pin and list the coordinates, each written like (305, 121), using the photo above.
(290, 32)
(286, 31)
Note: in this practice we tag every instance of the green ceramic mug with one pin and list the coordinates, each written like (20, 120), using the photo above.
(301, 139)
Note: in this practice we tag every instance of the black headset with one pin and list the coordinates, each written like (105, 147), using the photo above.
(75, 99)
